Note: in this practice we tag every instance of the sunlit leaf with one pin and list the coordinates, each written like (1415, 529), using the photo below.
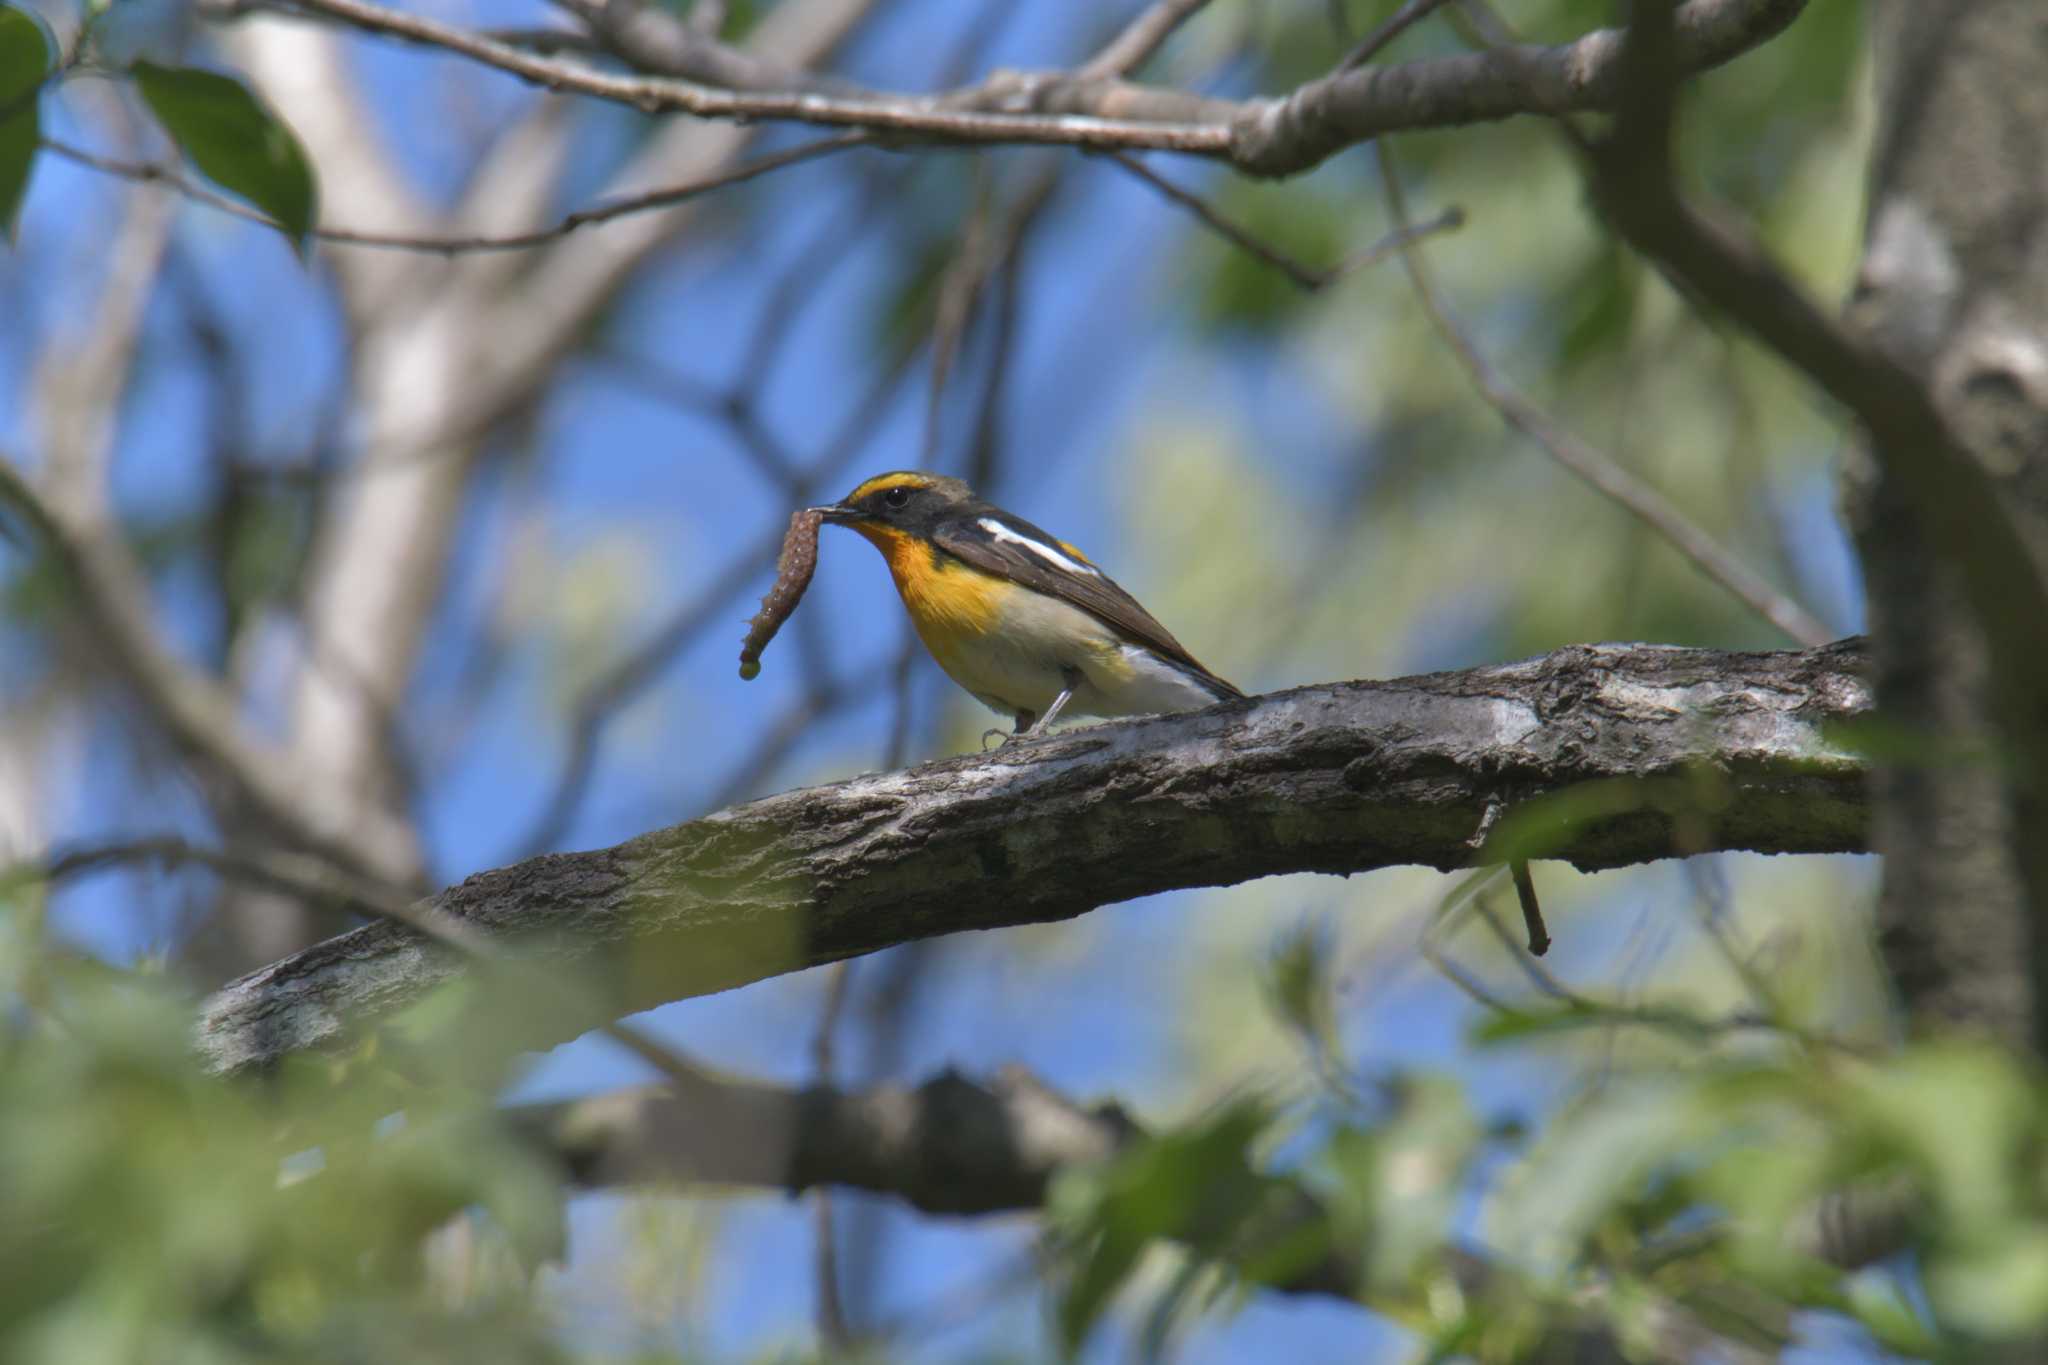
(1196, 1186)
(26, 59)
(236, 141)
(1997, 1289)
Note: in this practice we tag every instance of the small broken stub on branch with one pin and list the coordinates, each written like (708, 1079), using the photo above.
(793, 570)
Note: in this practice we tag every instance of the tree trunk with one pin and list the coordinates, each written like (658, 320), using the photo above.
(1955, 284)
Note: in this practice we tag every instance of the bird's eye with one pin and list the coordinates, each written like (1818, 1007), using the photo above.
(897, 497)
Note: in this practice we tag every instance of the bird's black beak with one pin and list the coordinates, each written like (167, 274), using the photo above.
(837, 513)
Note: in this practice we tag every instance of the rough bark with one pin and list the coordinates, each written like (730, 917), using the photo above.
(1664, 752)
(1955, 285)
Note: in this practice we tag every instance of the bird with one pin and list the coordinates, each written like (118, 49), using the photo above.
(1020, 619)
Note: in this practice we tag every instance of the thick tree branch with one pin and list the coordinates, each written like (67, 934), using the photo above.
(947, 1146)
(1270, 136)
(1656, 752)
(956, 1146)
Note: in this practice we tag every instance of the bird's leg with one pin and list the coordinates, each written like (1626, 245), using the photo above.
(1023, 724)
(1072, 678)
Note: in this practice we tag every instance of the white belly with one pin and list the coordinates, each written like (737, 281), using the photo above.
(1021, 665)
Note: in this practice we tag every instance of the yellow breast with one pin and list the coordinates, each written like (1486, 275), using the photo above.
(951, 605)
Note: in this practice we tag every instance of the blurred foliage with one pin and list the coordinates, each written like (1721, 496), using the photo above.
(155, 1213)
(1692, 1185)
(376, 1207)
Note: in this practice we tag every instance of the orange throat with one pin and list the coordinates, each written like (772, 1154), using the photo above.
(945, 598)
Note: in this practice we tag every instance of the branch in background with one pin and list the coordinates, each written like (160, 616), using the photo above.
(905, 116)
(1667, 751)
(1143, 36)
(1310, 278)
(831, 1311)
(1270, 137)
(441, 357)
(1601, 473)
(551, 41)
(604, 212)
(1403, 19)
(948, 1146)
(984, 254)
(651, 38)
(599, 705)
(199, 717)
(956, 1146)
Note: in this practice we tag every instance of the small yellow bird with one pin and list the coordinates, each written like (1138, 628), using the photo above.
(1021, 620)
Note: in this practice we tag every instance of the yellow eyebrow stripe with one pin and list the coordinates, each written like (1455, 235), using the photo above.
(900, 479)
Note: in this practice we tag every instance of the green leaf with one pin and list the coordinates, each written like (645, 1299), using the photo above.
(26, 59)
(1400, 1183)
(1194, 1185)
(240, 145)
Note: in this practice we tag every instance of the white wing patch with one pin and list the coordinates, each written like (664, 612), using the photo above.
(1049, 553)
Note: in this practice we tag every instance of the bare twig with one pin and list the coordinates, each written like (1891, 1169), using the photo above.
(666, 197)
(773, 746)
(652, 39)
(1403, 19)
(903, 116)
(199, 716)
(1532, 912)
(1468, 899)
(1142, 37)
(832, 1324)
(983, 259)
(1272, 136)
(1308, 277)
(545, 40)
(596, 708)
(960, 286)
(803, 282)
(1599, 471)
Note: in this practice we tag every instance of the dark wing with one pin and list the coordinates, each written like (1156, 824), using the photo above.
(1009, 547)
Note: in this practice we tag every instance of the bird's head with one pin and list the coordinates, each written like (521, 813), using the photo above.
(907, 500)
